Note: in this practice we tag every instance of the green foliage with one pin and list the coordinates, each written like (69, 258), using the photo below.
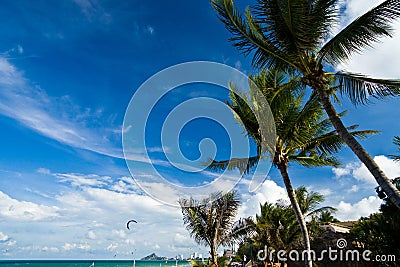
(277, 227)
(303, 134)
(326, 217)
(210, 221)
(380, 232)
(222, 261)
(289, 35)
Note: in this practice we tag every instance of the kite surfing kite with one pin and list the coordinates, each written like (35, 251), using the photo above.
(127, 224)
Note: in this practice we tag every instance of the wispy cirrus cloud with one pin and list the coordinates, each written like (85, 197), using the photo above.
(93, 10)
(59, 118)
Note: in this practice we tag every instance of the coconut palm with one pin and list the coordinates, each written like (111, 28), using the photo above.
(210, 221)
(303, 135)
(294, 35)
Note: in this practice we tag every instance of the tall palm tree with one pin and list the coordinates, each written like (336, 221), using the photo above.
(302, 134)
(295, 36)
(210, 221)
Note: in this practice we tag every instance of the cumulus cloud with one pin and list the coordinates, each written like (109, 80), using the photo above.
(384, 55)
(268, 192)
(24, 210)
(347, 211)
(359, 172)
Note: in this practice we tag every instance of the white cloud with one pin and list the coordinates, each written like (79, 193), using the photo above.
(119, 233)
(11, 243)
(25, 210)
(54, 117)
(94, 10)
(390, 167)
(20, 49)
(69, 246)
(91, 234)
(339, 172)
(353, 189)
(325, 191)
(347, 211)
(150, 29)
(59, 118)
(268, 192)
(3, 237)
(381, 60)
(361, 173)
(80, 180)
(51, 249)
(43, 171)
(112, 247)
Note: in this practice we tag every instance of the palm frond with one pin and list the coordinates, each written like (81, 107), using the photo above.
(248, 36)
(244, 165)
(315, 161)
(361, 33)
(295, 25)
(396, 141)
(331, 142)
(242, 230)
(210, 220)
(320, 210)
(359, 87)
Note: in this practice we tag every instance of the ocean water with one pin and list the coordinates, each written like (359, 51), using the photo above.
(90, 263)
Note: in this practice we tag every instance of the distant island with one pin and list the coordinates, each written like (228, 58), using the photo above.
(153, 257)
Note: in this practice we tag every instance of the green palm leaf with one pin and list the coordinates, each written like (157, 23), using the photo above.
(360, 33)
(248, 36)
(359, 87)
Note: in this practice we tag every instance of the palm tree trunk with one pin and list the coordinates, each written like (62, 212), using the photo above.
(384, 182)
(214, 259)
(300, 218)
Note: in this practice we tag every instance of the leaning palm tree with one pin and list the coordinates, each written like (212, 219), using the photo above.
(303, 135)
(210, 221)
(295, 36)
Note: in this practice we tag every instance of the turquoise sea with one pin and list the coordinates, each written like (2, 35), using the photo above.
(91, 263)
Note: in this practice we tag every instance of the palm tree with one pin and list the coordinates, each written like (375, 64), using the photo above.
(210, 221)
(294, 35)
(277, 226)
(302, 134)
(326, 217)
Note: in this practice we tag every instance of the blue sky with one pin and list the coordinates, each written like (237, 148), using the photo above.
(68, 70)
